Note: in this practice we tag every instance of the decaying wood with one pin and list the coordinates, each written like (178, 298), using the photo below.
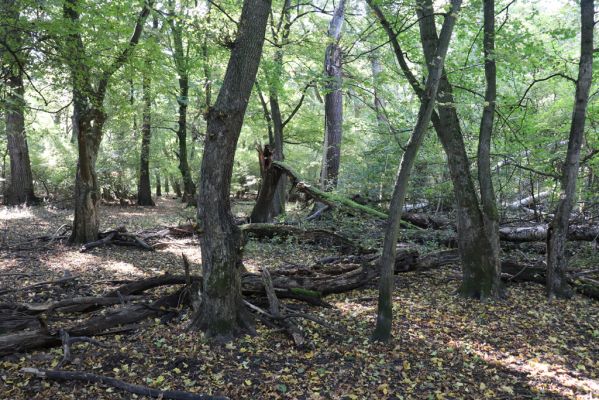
(321, 236)
(65, 376)
(538, 233)
(119, 237)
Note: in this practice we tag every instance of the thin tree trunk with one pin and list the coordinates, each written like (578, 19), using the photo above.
(333, 103)
(167, 187)
(158, 184)
(487, 193)
(222, 313)
(385, 302)
(144, 188)
(181, 63)
(20, 186)
(557, 285)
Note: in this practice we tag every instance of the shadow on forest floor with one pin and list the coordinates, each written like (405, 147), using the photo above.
(443, 346)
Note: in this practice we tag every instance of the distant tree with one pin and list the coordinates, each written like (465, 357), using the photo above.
(222, 313)
(13, 59)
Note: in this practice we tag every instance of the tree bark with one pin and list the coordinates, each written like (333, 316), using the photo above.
(158, 184)
(485, 180)
(181, 63)
(478, 258)
(385, 301)
(144, 188)
(333, 103)
(20, 186)
(222, 314)
(557, 285)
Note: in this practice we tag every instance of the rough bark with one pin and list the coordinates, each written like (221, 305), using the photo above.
(557, 286)
(333, 102)
(485, 180)
(222, 313)
(385, 301)
(478, 258)
(144, 188)
(20, 186)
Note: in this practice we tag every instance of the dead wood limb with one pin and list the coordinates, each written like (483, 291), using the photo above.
(65, 376)
(101, 242)
(29, 340)
(261, 230)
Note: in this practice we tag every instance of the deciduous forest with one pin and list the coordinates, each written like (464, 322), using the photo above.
(289, 199)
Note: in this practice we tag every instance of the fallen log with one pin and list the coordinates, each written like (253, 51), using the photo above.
(29, 340)
(65, 376)
(321, 236)
(539, 233)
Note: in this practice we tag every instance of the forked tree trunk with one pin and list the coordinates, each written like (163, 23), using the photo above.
(387, 262)
(557, 285)
(144, 188)
(88, 103)
(333, 103)
(479, 265)
(222, 313)
(20, 187)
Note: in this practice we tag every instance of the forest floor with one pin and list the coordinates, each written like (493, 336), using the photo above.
(443, 346)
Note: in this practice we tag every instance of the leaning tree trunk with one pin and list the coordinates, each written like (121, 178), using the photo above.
(476, 251)
(487, 193)
(387, 262)
(222, 313)
(557, 285)
(144, 188)
(20, 188)
(333, 103)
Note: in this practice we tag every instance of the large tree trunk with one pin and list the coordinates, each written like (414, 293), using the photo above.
(476, 250)
(222, 313)
(20, 187)
(333, 103)
(144, 188)
(557, 285)
(86, 224)
(487, 193)
(387, 261)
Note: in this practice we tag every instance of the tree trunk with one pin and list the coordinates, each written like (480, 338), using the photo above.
(20, 187)
(144, 188)
(158, 184)
(487, 193)
(557, 285)
(222, 313)
(477, 254)
(333, 103)
(177, 187)
(88, 104)
(86, 224)
(181, 62)
(387, 262)
(167, 187)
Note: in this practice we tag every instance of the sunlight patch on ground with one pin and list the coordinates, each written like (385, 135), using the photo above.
(354, 309)
(178, 247)
(543, 375)
(13, 213)
(122, 268)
